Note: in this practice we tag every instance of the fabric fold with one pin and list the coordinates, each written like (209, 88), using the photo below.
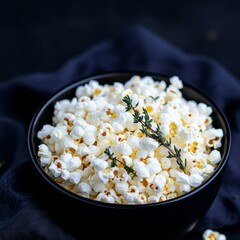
(22, 213)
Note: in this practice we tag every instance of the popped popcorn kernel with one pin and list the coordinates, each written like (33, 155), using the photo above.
(209, 234)
(138, 169)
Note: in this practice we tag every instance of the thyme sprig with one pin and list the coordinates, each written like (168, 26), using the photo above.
(154, 98)
(115, 160)
(147, 129)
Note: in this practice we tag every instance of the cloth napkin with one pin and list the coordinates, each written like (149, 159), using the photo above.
(22, 214)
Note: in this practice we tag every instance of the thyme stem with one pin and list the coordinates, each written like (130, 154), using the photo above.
(146, 124)
(115, 160)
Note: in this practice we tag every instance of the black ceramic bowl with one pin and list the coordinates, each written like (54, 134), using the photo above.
(171, 219)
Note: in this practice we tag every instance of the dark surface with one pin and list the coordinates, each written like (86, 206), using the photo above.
(40, 36)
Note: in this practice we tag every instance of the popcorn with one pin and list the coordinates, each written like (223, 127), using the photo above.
(58, 133)
(104, 175)
(105, 197)
(176, 82)
(214, 157)
(44, 154)
(84, 188)
(138, 169)
(45, 131)
(157, 185)
(75, 176)
(213, 137)
(77, 132)
(118, 128)
(68, 142)
(209, 234)
(99, 164)
(165, 163)
(124, 148)
(68, 119)
(121, 187)
(153, 166)
(133, 141)
(131, 196)
(71, 163)
(65, 174)
(141, 170)
(195, 180)
(83, 150)
(147, 144)
(55, 169)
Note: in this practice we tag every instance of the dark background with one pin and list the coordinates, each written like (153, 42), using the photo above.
(42, 35)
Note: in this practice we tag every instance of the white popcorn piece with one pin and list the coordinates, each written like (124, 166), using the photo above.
(68, 119)
(169, 187)
(75, 176)
(133, 141)
(120, 138)
(152, 199)
(45, 131)
(141, 170)
(148, 144)
(141, 199)
(105, 197)
(58, 133)
(165, 163)
(44, 154)
(176, 82)
(184, 188)
(124, 148)
(130, 125)
(68, 142)
(120, 175)
(84, 188)
(99, 164)
(99, 187)
(196, 170)
(209, 234)
(209, 169)
(104, 175)
(83, 150)
(121, 187)
(195, 180)
(153, 166)
(204, 109)
(132, 82)
(94, 150)
(157, 185)
(131, 196)
(171, 196)
(55, 170)
(181, 177)
(77, 132)
(213, 137)
(90, 106)
(127, 160)
(65, 174)
(118, 127)
(173, 92)
(72, 163)
(214, 157)
(89, 138)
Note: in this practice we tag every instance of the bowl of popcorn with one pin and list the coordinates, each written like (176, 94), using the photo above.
(137, 149)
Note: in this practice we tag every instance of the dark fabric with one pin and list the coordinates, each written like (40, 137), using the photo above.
(24, 212)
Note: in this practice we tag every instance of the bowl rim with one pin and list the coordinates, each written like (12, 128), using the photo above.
(102, 75)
